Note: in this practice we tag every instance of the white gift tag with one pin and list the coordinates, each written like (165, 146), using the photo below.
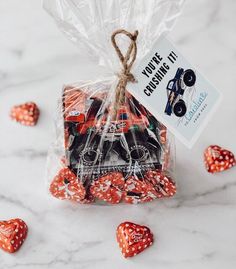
(174, 91)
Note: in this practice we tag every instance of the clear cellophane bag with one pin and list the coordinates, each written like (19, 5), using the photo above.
(97, 157)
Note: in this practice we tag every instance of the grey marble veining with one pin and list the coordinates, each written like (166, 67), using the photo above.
(194, 230)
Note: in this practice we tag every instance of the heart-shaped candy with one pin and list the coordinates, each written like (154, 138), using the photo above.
(163, 185)
(12, 234)
(218, 159)
(109, 187)
(138, 191)
(26, 114)
(133, 238)
(66, 186)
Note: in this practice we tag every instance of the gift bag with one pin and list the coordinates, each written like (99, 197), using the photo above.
(108, 147)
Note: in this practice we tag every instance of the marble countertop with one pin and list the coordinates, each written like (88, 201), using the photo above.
(194, 230)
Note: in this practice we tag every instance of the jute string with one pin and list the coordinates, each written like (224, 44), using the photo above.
(127, 61)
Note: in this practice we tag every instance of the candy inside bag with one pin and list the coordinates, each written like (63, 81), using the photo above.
(109, 147)
(127, 159)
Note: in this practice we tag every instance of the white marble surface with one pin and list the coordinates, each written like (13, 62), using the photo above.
(195, 230)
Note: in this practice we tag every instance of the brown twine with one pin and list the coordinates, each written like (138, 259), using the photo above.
(127, 61)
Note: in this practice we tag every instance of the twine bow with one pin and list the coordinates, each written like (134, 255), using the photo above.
(127, 61)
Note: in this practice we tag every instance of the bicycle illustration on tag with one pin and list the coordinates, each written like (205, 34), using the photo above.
(176, 88)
